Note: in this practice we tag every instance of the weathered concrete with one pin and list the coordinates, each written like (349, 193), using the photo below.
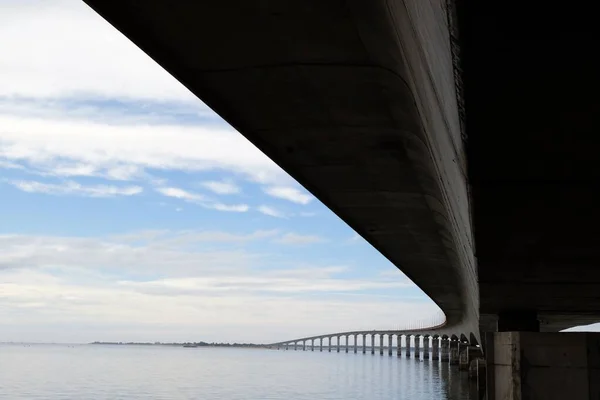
(399, 346)
(381, 344)
(445, 350)
(435, 348)
(454, 352)
(408, 344)
(390, 340)
(527, 365)
(426, 347)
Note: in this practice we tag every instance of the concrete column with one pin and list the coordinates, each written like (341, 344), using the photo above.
(329, 347)
(381, 344)
(372, 343)
(425, 347)
(338, 343)
(417, 346)
(295, 345)
(321, 344)
(312, 345)
(465, 355)
(347, 343)
(445, 350)
(304, 345)
(454, 351)
(355, 343)
(407, 346)
(435, 348)
(364, 344)
(399, 345)
(534, 365)
(390, 340)
(287, 346)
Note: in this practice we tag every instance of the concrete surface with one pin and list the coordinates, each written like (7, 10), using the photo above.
(549, 366)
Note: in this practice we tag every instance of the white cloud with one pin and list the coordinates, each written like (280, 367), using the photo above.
(270, 211)
(289, 193)
(168, 238)
(78, 147)
(221, 187)
(74, 188)
(180, 194)
(63, 48)
(201, 200)
(229, 207)
(173, 281)
(293, 238)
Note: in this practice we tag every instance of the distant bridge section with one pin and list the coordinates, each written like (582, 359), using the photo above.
(435, 343)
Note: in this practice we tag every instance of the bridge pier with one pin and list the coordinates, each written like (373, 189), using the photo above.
(364, 343)
(304, 345)
(454, 352)
(321, 344)
(390, 340)
(329, 347)
(407, 346)
(426, 347)
(339, 338)
(381, 344)
(295, 345)
(312, 345)
(399, 345)
(535, 365)
(435, 348)
(355, 343)
(347, 343)
(417, 346)
(373, 343)
(445, 353)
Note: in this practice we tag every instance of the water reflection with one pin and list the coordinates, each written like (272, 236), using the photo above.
(109, 372)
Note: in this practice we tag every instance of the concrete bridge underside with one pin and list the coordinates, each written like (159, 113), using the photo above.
(362, 103)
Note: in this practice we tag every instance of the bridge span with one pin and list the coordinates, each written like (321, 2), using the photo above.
(435, 343)
(459, 138)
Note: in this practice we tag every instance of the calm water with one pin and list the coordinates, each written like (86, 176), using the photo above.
(130, 372)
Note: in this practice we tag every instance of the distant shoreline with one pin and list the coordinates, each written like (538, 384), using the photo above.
(178, 344)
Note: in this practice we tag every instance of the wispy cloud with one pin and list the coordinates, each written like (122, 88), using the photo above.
(271, 211)
(201, 200)
(221, 187)
(181, 194)
(74, 188)
(81, 147)
(293, 238)
(228, 207)
(289, 193)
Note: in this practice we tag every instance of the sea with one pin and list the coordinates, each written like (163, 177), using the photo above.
(132, 372)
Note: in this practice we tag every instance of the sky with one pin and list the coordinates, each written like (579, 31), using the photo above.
(132, 212)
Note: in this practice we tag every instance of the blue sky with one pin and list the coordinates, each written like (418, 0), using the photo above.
(132, 212)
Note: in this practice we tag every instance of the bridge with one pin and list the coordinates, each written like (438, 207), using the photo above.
(451, 349)
(458, 137)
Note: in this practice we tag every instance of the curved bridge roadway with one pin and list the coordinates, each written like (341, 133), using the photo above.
(446, 347)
